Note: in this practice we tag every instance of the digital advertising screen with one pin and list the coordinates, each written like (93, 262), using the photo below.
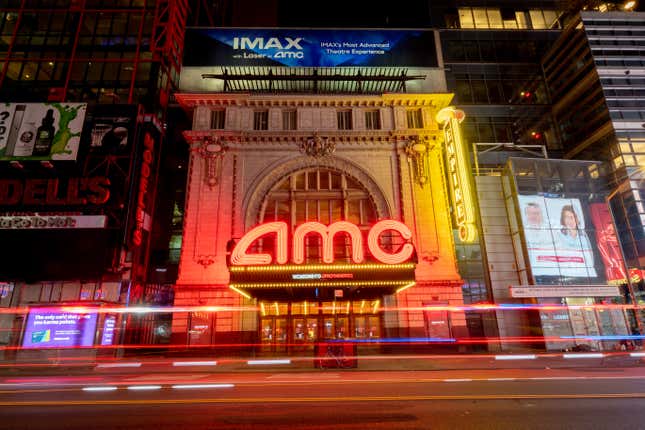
(41, 131)
(55, 328)
(308, 47)
(107, 337)
(572, 242)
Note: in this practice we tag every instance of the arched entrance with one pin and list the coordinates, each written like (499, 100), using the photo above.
(325, 195)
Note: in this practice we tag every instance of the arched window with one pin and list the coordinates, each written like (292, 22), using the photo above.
(322, 195)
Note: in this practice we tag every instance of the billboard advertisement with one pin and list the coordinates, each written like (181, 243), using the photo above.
(570, 243)
(41, 131)
(109, 324)
(608, 245)
(55, 328)
(309, 47)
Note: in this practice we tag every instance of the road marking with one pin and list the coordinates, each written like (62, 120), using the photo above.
(577, 355)
(189, 386)
(113, 365)
(516, 357)
(194, 363)
(258, 362)
(106, 388)
(132, 402)
(144, 387)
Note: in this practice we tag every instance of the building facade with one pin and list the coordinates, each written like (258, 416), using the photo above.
(303, 160)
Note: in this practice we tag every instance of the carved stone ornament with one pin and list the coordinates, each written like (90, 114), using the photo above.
(316, 146)
(417, 150)
(212, 151)
(206, 260)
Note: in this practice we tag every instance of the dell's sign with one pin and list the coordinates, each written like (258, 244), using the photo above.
(309, 48)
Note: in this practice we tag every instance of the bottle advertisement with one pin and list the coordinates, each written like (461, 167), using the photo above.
(41, 131)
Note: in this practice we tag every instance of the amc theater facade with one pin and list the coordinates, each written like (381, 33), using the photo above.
(311, 215)
(318, 232)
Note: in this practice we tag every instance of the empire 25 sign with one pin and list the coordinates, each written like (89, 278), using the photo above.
(458, 167)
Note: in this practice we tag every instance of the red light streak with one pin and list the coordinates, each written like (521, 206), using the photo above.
(215, 309)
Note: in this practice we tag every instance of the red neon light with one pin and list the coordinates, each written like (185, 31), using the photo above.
(240, 257)
(375, 248)
(327, 234)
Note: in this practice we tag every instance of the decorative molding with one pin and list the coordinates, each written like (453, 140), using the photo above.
(205, 260)
(316, 146)
(212, 152)
(417, 150)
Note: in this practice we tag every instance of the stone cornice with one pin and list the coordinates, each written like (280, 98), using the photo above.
(192, 100)
(194, 136)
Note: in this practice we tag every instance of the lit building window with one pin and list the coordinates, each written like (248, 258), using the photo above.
(324, 196)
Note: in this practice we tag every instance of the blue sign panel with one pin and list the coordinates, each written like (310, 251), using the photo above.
(309, 48)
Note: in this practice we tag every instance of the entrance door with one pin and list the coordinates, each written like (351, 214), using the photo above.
(273, 334)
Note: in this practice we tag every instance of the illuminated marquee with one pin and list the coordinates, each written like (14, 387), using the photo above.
(241, 257)
(458, 170)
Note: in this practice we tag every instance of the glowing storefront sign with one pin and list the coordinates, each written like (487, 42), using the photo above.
(241, 257)
(458, 170)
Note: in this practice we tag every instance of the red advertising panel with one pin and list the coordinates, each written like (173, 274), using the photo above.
(607, 242)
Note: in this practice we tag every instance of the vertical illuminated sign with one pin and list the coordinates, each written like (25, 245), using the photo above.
(458, 168)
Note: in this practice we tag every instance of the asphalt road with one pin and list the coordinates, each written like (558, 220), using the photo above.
(330, 399)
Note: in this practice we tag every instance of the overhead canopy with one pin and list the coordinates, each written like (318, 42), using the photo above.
(314, 80)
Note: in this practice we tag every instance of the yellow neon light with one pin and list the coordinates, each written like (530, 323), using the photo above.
(305, 307)
(333, 308)
(405, 287)
(375, 307)
(458, 165)
(319, 267)
(277, 308)
(347, 308)
(240, 292)
(264, 312)
(320, 284)
(362, 306)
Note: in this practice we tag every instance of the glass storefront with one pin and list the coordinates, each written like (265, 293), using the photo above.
(296, 326)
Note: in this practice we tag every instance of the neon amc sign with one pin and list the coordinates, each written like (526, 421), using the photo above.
(240, 255)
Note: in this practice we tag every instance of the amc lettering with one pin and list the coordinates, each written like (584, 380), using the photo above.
(50, 192)
(240, 255)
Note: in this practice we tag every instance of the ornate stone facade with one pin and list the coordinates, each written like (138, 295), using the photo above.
(232, 170)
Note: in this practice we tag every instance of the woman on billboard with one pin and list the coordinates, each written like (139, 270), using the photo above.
(574, 248)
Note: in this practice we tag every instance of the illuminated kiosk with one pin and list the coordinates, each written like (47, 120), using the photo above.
(315, 232)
